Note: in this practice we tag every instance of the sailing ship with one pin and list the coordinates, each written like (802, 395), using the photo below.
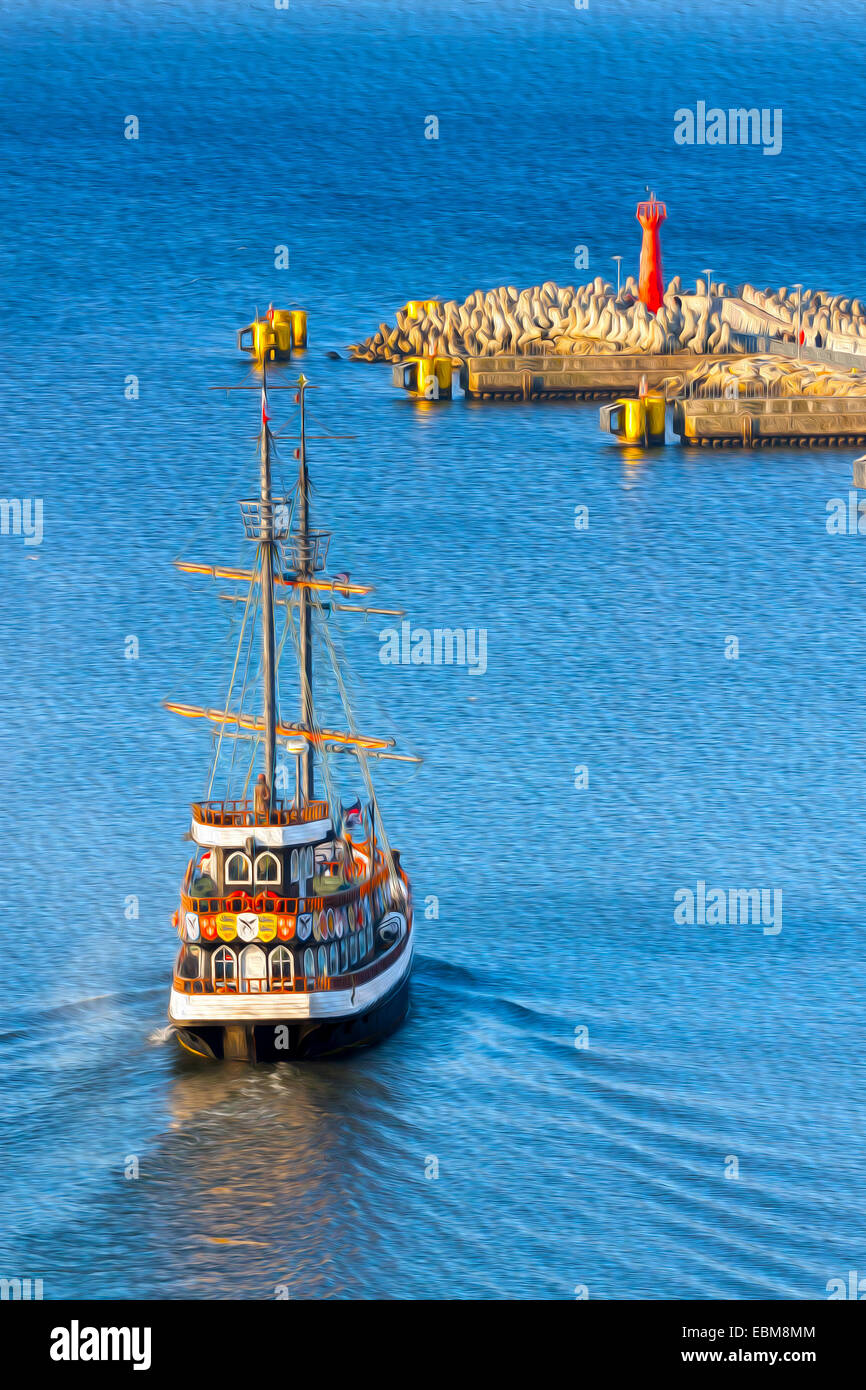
(295, 914)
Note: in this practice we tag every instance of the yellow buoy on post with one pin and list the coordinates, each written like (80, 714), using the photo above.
(299, 327)
(268, 339)
(417, 308)
(425, 378)
(274, 337)
(640, 420)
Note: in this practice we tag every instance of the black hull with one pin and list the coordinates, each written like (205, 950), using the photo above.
(304, 1040)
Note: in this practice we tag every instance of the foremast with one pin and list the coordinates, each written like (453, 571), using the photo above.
(305, 564)
(267, 554)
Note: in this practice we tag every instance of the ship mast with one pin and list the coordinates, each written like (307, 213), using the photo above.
(308, 548)
(267, 547)
(304, 561)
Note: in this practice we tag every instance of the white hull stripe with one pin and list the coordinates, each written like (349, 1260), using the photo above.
(270, 836)
(272, 1008)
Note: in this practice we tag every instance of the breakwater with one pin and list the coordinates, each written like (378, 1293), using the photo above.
(806, 421)
(713, 318)
(596, 375)
(768, 375)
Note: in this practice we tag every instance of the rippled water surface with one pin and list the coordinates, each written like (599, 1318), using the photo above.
(558, 1165)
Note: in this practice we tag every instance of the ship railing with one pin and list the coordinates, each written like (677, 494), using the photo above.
(254, 984)
(309, 551)
(270, 520)
(300, 984)
(243, 813)
(284, 907)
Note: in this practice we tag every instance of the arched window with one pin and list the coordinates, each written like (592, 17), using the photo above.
(308, 862)
(353, 948)
(189, 963)
(309, 964)
(225, 966)
(254, 969)
(344, 955)
(268, 869)
(333, 962)
(282, 965)
(238, 869)
(293, 866)
(323, 960)
(202, 884)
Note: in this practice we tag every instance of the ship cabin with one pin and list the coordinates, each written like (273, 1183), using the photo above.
(274, 900)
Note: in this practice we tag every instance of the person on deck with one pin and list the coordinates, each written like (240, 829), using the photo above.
(262, 799)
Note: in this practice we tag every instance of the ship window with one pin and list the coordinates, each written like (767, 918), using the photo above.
(282, 964)
(267, 869)
(333, 963)
(362, 945)
(353, 948)
(224, 965)
(202, 884)
(294, 866)
(369, 937)
(344, 955)
(238, 869)
(309, 964)
(323, 960)
(189, 965)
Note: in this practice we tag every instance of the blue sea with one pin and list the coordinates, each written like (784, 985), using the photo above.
(589, 1098)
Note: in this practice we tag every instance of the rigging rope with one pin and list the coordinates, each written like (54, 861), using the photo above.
(353, 729)
(252, 590)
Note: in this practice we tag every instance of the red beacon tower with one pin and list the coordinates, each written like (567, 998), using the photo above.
(651, 215)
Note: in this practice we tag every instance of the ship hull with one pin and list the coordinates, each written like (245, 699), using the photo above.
(287, 1037)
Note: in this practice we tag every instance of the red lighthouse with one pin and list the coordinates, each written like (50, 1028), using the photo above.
(652, 286)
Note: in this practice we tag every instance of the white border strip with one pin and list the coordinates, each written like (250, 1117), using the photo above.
(268, 836)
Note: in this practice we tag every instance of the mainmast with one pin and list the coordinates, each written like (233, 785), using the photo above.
(266, 557)
(305, 567)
